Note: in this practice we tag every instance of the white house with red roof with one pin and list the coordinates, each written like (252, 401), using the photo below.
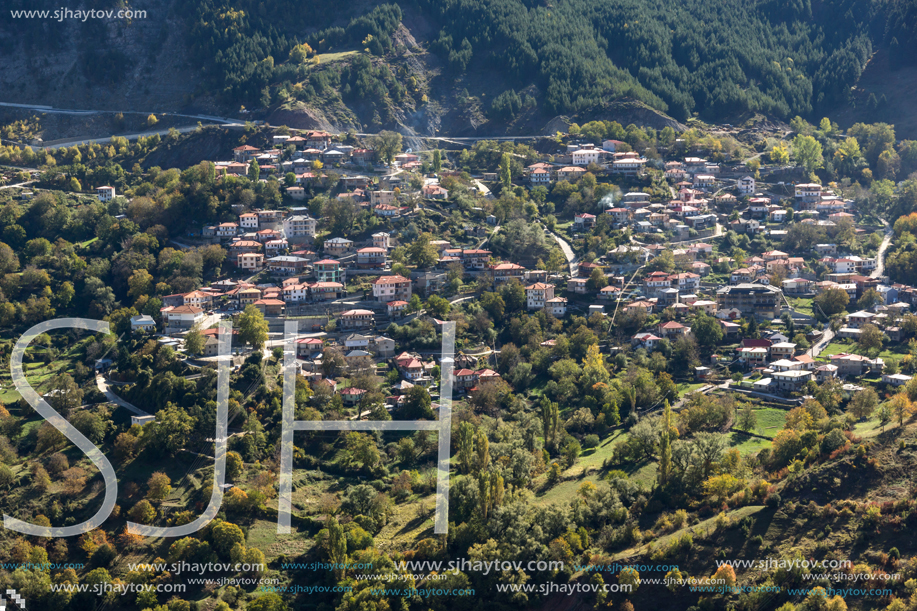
(538, 294)
(584, 221)
(105, 193)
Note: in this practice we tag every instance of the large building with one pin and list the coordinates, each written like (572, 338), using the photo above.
(761, 300)
(299, 228)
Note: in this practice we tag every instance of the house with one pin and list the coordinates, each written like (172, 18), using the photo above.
(105, 194)
(570, 173)
(577, 285)
(645, 340)
(371, 257)
(673, 330)
(377, 198)
(857, 320)
(382, 240)
(245, 153)
(807, 194)
(337, 247)
(143, 323)
(504, 272)
(783, 350)
(760, 300)
(628, 166)
(295, 292)
(685, 282)
(705, 306)
(287, 265)
(318, 139)
(386, 210)
(435, 192)
(357, 319)
(585, 156)
(792, 380)
(275, 247)
(362, 157)
(326, 291)
(797, 285)
(825, 372)
(392, 288)
(242, 246)
(704, 181)
(753, 356)
(612, 146)
(620, 215)
(463, 379)
(299, 228)
(557, 306)
(538, 294)
(181, 318)
(584, 221)
(328, 270)
(646, 306)
(357, 341)
(227, 230)
(247, 296)
(540, 176)
(270, 307)
(352, 396)
(250, 261)
(474, 258)
(268, 235)
(248, 220)
(382, 346)
(746, 185)
(395, 308)
(855, 364)
(896, 379)
(609, 293)
(428, 282)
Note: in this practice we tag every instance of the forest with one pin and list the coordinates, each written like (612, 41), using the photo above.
(778, 57)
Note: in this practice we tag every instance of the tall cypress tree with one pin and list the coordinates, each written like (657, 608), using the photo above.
(665, 446)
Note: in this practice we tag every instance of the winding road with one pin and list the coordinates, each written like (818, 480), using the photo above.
(883, 247)
(572, 260)
(112, 397)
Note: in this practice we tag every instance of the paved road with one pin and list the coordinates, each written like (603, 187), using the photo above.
(103, 386)
(75, 141)
(66, 111)
(483, 189)
(21, 184)
(883, 247)
(572, 260)
(815, 350)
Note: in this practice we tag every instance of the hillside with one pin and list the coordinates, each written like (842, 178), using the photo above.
(459, 67)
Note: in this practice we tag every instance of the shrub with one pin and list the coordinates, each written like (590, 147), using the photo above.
(773, 500)
(591, 441)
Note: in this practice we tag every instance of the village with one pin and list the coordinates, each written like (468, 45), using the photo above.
(672, 269)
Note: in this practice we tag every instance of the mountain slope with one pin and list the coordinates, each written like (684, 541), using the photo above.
(458, 65)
